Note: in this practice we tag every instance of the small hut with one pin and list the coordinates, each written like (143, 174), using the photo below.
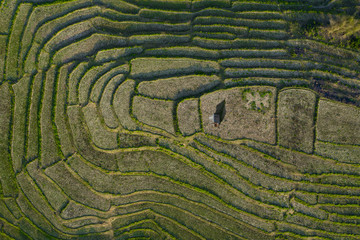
(219, 114)
(215, 118)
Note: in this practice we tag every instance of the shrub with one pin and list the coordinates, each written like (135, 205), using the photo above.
(322, 48)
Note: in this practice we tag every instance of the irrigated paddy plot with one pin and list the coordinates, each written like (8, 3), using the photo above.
(179, 119)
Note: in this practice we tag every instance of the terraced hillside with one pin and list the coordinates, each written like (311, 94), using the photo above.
(105, 129)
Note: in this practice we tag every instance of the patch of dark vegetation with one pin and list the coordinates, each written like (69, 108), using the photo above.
(132, 140)
(335, 23)
(337, 91)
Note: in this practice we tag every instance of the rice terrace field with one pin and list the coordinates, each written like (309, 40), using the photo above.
(180, 119)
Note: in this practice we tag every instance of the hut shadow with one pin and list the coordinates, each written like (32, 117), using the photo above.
(220, 111)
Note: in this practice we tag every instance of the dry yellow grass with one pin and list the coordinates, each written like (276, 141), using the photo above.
(249, 113)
